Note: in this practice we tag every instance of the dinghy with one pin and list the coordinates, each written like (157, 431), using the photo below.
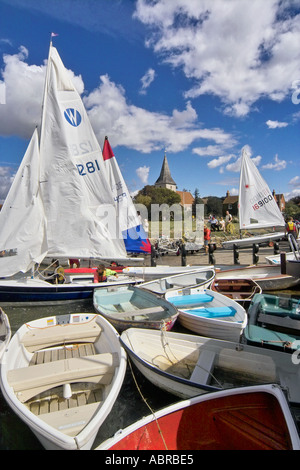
(209, 313)
(268, 277)
(128, 306)
(5, 332)
(274, 322)
(246, 418)
(201, 277)
(257, 208)
(76, 287)
(61, 375)
(293, 255)
(240, 290)
(149, 273)
(188, 365)
(60, 204)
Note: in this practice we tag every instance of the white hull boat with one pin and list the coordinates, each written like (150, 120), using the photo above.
(61, 375)
(202, 277)
(293, 255)
(209, 313)
(127, 306)
(247, 242)
(5, 332)
(149, 273)
(246, 418)
(268, 277)
(189, 365)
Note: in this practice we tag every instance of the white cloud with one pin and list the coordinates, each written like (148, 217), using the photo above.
(278, 165)
(293, 193)
(209, 151)
(295, 182)
(6, 179)
(143, 173)
(109, 112)
(24, 85)
(220, 161)
(146, 80)
(276, 124)
(238, 50)
(107, 108)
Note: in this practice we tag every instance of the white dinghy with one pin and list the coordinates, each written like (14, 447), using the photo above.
(149, 273)
(5, 332)
(209, 313)
(61, 375)
(188, 365)
(200, 277)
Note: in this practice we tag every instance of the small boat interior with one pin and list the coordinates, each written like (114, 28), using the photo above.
(250, 421)
(63, 378)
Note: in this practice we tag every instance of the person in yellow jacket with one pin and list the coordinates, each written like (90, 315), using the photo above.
(291, 228)
(59, 274)
(102, 272)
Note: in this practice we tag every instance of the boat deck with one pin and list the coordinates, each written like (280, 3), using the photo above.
(52, 400)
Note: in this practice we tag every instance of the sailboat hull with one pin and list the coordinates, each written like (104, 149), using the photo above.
(248, 242)
(35, 290)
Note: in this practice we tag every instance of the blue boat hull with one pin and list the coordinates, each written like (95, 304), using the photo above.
(41, 294)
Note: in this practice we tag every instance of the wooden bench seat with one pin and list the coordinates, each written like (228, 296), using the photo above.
(39, 338)
(71, 421)
(29, 381)
(139, 312)
(204, 367)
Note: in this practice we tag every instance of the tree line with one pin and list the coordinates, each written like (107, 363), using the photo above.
(213, 204)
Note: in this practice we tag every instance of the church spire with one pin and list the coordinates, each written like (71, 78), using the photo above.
(165, 179)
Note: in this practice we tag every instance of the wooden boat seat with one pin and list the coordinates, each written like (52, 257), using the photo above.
(39, 338)
(213, 312)
(72, 420)
(286, 323)
(29, 381)
(139, 312)
(204, 367)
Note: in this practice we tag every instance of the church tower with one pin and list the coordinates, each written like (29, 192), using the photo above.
(165, 179)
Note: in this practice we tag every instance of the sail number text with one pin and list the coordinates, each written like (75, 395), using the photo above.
(88, 167)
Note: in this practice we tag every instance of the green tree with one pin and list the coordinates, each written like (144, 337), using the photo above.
(214, 206)
(292, 209)
(197, 200)
(153, 195)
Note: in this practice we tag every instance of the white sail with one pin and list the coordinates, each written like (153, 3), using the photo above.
(130, 225)
(81, 219)
(257, 206)
(22, 223)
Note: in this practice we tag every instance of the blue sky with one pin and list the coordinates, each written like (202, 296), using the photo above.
(199, 79)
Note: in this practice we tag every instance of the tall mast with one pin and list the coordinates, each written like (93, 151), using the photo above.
(43, 113)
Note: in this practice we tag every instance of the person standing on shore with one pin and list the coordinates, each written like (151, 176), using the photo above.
(228, 219)
(291, 228)
(206, 238)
